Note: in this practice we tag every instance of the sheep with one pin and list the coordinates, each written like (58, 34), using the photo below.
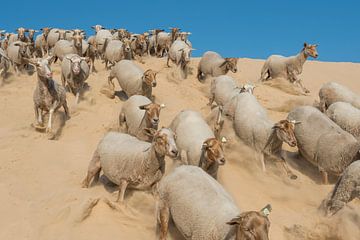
(48, 96)
(288, 67)
(132, 163)
(92, 53)
(41, 47)
(138, 113)
(197, 140)
(202, 209)
(346, 116)
(180, 54)
(211, 63)
(97, 28)
(100, 37)
(132, 79)
(152, 43)
(55, 35)
(74, 71)
(16, 52)
(255, 129)
(121, 34)
(334, 92)
(163, 43)
(20, 36)
(114, 51)
(64, 47)
(30, 39)
(184, 37)
(5, 41)
(138, 44)
(4, 65)
(323, 143)
(223, 88)
(346, 189)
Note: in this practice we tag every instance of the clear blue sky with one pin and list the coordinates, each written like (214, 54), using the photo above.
(253, 29)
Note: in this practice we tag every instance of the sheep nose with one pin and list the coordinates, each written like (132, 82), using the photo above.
(154, 84)
(156, 120)
(174, 152)
(235, 70)
(222, 161)
(49, 75)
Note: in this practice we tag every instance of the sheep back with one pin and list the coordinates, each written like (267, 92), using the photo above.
(210, 64)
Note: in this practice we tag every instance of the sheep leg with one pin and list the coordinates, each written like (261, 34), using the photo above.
(262, 160)
(38, 116)
(299, 83)
(51, 112)
(66, 109)
(93, 170)
(110, 82)
(122, 121)
(324, 176)
(163, 220)
(284, 165)
(199, 75)
(63, 81)
(122, 188)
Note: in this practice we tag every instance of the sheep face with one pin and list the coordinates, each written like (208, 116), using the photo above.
(21, 33)
(174, 33)
(127, 45)
(123, 33)
(32, 33)
(164, 141)
(149, 78)
(248, 88)
(45, 31)
(310, 50)
(285, 132)
(42, 67)
(251, 226)
(62, 33)
(97, 27)
(77, 41)
(214, 151)
(75, 62)
(152, 113)
(230, 64)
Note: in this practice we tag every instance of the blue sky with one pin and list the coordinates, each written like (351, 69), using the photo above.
(252, 29)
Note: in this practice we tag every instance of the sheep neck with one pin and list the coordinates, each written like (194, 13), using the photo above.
(47, 87)
(154, 161)
(210, 168)
(273, 144)
(300, 59)
(146, 89)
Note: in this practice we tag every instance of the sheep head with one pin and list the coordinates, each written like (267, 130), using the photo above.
(252, 225)
(97, 27)
(152, 114)
(75, 62)
(42, 66)
(310, 50)
(163, 141)
(213, 151)
(21, 33)
(248, 88)
(230, 64)
(285, 131)
(149, 78)
(126, 45)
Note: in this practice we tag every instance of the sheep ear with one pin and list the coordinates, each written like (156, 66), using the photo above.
(266, 210)
(150, 132)
(234, 221)
(305, 44)
(144, 107)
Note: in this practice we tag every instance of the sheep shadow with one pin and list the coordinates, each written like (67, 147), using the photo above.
(110, 93)
(59, 119)
(296, 161)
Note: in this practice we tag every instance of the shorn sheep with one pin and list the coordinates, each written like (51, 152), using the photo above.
(49, 96)
(332, 92)
(254, 127)
(323, 143)
(346, 189)
(201, 209)
(132, 79)
(196, 139)
(138, 113)
(211, 63)
(288, 67)
(132, 163)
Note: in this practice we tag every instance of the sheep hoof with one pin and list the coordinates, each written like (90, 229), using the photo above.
(293, 177)
(39, 127)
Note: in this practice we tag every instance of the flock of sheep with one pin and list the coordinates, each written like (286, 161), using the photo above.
(134, 157)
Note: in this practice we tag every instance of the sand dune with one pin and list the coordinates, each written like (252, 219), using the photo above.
(40, 180)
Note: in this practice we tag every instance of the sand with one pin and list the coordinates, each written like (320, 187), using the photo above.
(40, 179)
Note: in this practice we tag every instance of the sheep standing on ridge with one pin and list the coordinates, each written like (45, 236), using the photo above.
(74, 71)
(211, 63)
(332, 92)
(201, 209)
(254, 127)
(288, 67)
(196, 139)
(346, 189)
(138, 113)
(131, 163)
(49, 96)
(132, 79)
(323, 143)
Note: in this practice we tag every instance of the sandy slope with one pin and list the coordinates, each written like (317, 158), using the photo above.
(40, 191)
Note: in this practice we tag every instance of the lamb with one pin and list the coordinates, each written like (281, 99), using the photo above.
(202, 209)
(4, 65)
(48, 96)
(17, 52)
(211, 63)
(74, 71)
(132, 79)
(346, 189)
(132, 163)
(346, 116)
(288, 67)
(180, 54)
(332, 92)
(64, 47)
(255, 129)
(323, 143)
(138, 113)
(197, 140)
(223, 88)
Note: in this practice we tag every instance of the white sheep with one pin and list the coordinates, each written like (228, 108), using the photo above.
(180, 54)
(132, 79)
(288, 67)
(202, 209)
(196, 139)
(132, 163)
(138, 113)
(211, 63)
(332, 92)
(256, 130)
